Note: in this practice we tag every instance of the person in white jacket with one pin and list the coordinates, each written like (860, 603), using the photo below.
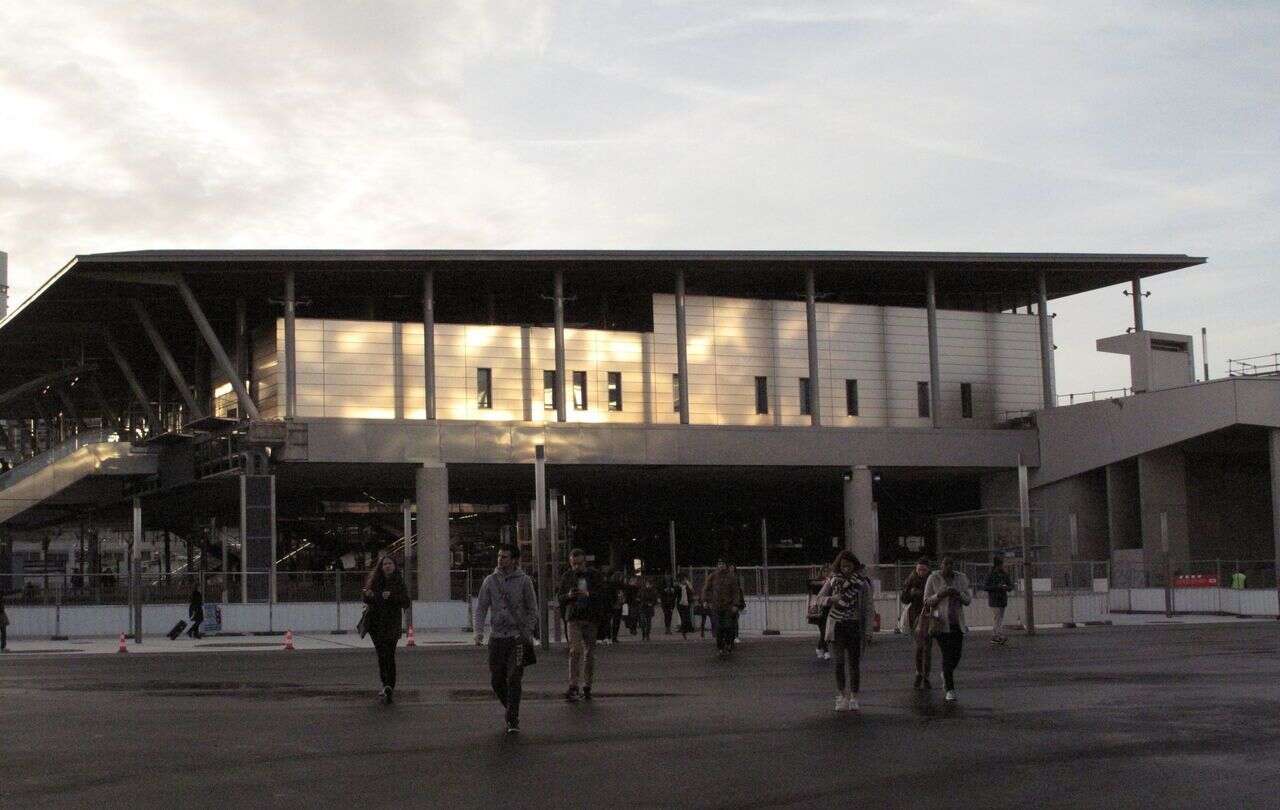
(946, 592)
(848, 598)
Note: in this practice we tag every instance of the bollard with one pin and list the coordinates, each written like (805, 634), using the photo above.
(410, 642)
(122, 648)
(288, 639)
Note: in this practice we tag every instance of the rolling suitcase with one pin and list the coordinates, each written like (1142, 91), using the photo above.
(177, 630)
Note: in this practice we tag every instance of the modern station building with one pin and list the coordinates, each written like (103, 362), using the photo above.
(301, 409)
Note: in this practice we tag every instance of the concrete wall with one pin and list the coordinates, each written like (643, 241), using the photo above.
(1084, 499)
(1162, 492)
(1124, 515)
(1228, 508)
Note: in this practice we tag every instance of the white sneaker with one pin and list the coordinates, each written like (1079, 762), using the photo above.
(826, 656)
(819, 652)
(951, 695)
(852, 705)
(842, 705)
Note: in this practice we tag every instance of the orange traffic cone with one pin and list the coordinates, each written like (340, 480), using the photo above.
(122, 648)
(410, 642)
(288, 639)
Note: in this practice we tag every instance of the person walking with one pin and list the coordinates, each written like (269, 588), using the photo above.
(684, 604)
(387, 597)
(912, 597)
(849, 600)
(195, 612)
(722, 594)
(607, 596)
(997, 586)
(667, 598)
(4, 627)
(508, 592)
(617, 611)
(946, 593)
(580, 593)
(818, 611)
(646, 603)
(631, 604)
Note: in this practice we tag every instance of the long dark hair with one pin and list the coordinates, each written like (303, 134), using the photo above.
(377, 581)
(845, 555)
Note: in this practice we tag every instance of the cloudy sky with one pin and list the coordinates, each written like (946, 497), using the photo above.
(985, 125)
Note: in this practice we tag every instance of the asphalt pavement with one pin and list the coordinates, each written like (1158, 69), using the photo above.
(1156, 715)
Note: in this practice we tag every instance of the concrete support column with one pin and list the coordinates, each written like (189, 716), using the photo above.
(935, 370)
(429, 343)
(290, 346)
(1047, 384)
(682, 351)
(562, 411)
(135, 570)
(1136, 294)
(1162, 495)
(1274, 442)
(859, 516)
(432, 493)
(811, 319)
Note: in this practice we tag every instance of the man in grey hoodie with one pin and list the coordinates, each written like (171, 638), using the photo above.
(507, 592)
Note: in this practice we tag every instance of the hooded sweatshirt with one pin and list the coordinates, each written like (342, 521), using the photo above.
(513, 602)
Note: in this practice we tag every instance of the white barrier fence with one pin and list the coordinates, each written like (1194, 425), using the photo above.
(1225, 601)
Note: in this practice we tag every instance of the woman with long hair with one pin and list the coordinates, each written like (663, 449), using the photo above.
(946, 593)
(848, 599)
(387, 597)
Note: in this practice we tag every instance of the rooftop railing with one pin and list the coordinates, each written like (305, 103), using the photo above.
(1263, 365)
(1093, 396)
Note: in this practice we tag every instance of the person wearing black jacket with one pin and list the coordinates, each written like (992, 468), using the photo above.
(912, 598)
(581, 596)
(997, 586)
(387, 597)
(667, 598)
(195, 612)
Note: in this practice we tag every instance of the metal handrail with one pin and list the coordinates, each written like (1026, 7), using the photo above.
(1094, 396)
(36, 463)
(1247, 367)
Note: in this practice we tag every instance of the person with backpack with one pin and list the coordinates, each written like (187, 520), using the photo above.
(997, 586)
(387, 597)
(580, 596)
(848, 597)
(946, 593)
(508, 600)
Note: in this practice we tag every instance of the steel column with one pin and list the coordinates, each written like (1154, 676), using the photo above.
(682, 351)
(558, 395)
(247, 405)
(290, 345)
(811, 321)
(1274, 446)
(135, 386)
(135, 572)
(1047, 384)
(428, 347)
(935, 371)
(1136, 294)
(540, 537)
(166, 357)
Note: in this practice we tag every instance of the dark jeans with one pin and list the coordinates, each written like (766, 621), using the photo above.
(667, 610)
(686, 619)
(846, 642)
(4, 637)
(506, 672)
(196, 621)
(952, 645)
(386, 649)
(726, 627)
(646, 622)
(617, 625)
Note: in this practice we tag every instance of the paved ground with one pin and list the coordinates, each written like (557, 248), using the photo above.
(1177, 715)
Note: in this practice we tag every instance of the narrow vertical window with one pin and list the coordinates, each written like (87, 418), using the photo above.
(548, 390)
(762, 394)
(851, 397)
(484, 388)
(579, 390)
(615, 390)
(675, 393)
(922, 399)
(966, 400)
(806, 407)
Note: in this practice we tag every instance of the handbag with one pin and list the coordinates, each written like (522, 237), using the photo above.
(362, 626)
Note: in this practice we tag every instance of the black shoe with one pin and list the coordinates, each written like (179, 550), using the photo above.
(586, 693)
(385, 695)
(924, 684)
(918, 683)
(571, 695)
(513, 726)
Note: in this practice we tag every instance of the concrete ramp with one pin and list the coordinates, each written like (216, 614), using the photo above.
(51, 479)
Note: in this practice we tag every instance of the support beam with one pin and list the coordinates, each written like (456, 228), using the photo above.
(107, 411)
(69, 405)
(138, 392)
(247, 405)
(433, 558)
(242, 338)
(682, 351)
(1136, 294)
(1274, 446)
(1047, 384)
(43, 380)
(859, 516)
(811, 320)
(562, 413)
(135, 571)
(290, 345)
(935, 370)
(166, 357)
(428, 348)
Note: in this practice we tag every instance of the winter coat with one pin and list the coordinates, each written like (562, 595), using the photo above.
(386, 614)
(722, 591)
(575, 607)
(913, 595)
(849, 599)
(997, 586)
(935, 585)
(513, 602)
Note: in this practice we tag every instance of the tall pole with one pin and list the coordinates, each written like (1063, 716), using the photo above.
(811, 321)
(671, 533)
(935, 371)
(1137, 303)
(562, 414)
(135, 573)
(1024, 522)
(764, 576)
(247, 405)
(540, 537)
(290, 345)
(406, 511)
(682, 352)
(1204, 351)
(1274, 444)
(553, 535)
(1047, 384)
(429, 343)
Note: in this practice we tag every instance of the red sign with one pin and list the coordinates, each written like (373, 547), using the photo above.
(1195, 581)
